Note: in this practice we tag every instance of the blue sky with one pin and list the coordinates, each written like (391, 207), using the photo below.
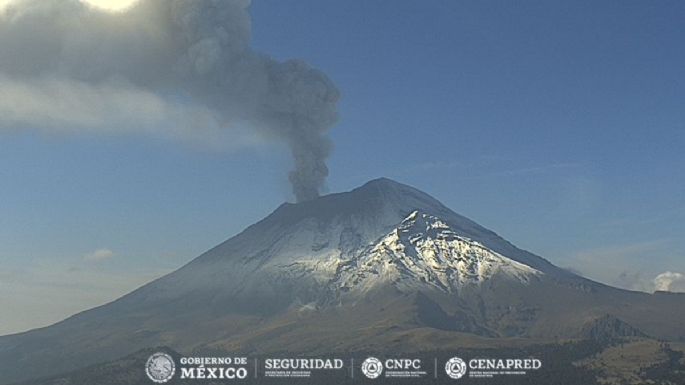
(559, 125)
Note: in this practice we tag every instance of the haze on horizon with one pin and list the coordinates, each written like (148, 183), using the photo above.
(557, 125)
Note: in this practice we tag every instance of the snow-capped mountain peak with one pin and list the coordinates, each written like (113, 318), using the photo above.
(424, 251)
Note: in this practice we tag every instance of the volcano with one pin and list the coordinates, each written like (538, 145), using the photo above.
(384, 267)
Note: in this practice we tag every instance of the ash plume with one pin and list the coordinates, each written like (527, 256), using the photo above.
(181, 69)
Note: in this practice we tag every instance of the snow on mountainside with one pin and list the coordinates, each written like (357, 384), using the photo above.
(424, 252)
(293, 254)
(339, 226)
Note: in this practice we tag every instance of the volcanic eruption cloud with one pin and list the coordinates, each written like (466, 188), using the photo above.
(180, 69)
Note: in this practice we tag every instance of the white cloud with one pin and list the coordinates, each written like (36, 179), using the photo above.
(111, 5)
(63, 106)
(670, 281)
(98, 255)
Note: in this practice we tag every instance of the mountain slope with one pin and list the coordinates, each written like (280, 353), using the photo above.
(384, 266)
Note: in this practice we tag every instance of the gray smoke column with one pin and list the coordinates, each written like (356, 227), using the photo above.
(172, 68)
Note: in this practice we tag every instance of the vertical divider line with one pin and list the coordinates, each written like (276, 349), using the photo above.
(436, 368)
(352, 367)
